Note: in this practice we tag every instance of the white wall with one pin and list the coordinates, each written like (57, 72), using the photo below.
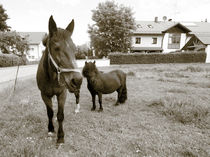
(146, 41)
(35, 52)
(208, 54)
(165, 42)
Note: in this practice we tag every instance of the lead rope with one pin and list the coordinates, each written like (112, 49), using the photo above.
(16, 77)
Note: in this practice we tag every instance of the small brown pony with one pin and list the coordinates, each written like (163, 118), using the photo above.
(99, 83)
(56, 73)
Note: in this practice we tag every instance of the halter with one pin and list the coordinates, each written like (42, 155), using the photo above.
(60, 70)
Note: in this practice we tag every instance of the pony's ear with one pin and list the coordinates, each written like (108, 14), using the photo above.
(85, 62)
(94, 62)
(70, 27)
(52, 26)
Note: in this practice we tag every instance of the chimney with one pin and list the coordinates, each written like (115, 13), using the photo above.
(156, 19)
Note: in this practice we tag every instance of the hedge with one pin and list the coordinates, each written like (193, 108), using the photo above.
(7, 60)
(154, 58)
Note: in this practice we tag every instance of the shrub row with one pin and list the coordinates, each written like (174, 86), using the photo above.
(152, 58)
(7, 60)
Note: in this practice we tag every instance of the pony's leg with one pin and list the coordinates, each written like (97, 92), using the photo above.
(119, 92)
(48, 102)
(93, 100)
(77, 102)
(100, 101)
(61, 98)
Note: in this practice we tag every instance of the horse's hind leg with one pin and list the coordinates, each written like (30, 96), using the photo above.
(77, 101)
(61, 98)
(100, 101)
(48, 102)
(119, 92)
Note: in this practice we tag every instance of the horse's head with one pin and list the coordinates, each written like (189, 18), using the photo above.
(89, 69)
(61, 53)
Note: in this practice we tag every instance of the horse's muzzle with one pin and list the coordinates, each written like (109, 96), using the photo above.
(73, 81)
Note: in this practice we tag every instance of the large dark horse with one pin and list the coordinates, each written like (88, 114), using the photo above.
(99, 83)
(57, 72)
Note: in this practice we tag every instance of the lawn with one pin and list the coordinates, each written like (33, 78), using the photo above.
(167, 114)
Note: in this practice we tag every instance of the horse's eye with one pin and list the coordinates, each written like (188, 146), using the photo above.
(57, 49)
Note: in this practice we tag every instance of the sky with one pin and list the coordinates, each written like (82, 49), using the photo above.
(33, 15)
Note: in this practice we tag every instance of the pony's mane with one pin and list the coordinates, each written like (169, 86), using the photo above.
(89, 67)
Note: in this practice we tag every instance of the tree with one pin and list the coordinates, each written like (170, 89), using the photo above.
(111, 31)
(10, 41)
(3, 18)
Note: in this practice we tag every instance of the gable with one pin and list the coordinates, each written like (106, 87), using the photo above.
(178, 28)
(194, 44)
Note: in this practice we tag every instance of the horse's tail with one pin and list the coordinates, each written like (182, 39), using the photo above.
(123, 96)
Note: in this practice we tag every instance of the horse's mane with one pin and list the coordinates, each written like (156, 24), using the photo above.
(62, 34)
(90, 67)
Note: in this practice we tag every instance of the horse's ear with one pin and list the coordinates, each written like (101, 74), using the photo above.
(70, 27)
(44, 40)
(85, 62)
(52, 26)
(94, 62)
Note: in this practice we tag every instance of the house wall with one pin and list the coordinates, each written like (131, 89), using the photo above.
(208, 54)
(35, 52)
(146, 41)
(166, 39)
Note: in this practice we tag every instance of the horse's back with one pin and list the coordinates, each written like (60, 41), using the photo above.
(112, 80)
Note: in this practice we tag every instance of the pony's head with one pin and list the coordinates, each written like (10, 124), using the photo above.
(61, 52)
(89, 69)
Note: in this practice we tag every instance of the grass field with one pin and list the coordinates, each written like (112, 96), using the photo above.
(167, 114)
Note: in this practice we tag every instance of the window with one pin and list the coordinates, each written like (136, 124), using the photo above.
(138, 40)
(150, 26)
(174, 41)
(154, 40)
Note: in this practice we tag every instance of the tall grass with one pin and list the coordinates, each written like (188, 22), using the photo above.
(184, 111)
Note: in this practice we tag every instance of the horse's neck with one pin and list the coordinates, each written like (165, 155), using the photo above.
(46, 65)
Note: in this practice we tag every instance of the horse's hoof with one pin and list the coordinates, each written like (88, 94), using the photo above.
(93, 109)
(60, 141)
(50, 134)
(59, 145)
(76, 111)
(116, 104)
(100, 110)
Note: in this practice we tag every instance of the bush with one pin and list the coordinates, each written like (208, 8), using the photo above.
(80, 55)
(7, 60)
(152, 58)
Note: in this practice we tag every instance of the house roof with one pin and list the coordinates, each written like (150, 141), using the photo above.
(204, 38)
(159, 27)
(152, 27)
(33, 37)
(197, 27)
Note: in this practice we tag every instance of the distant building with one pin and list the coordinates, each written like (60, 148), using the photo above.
(170, 36)
(35, 44)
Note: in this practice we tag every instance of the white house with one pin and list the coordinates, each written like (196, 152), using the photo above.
(165, 36)
(35, 44)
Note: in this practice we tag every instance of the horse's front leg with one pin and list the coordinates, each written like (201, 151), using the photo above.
(61, 98)
(77, 93)
(93, 101)
(48, 102)
(100, 101)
